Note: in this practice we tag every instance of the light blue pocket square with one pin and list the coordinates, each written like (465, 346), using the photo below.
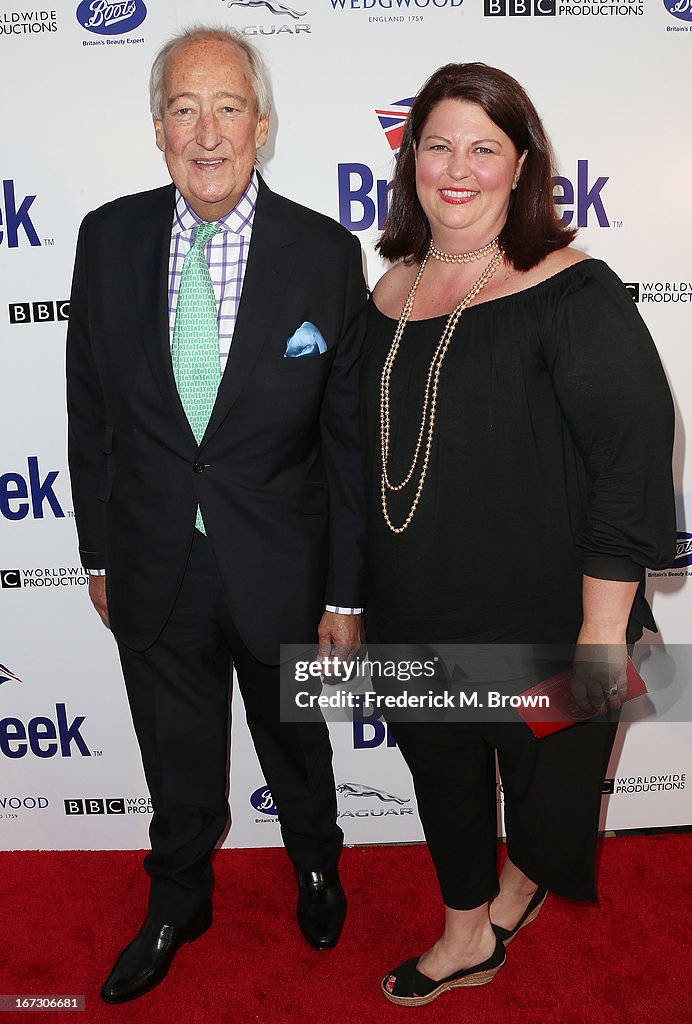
(307, 341)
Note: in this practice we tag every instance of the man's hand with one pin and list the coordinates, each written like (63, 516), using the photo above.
(97, 593)
(345, 632)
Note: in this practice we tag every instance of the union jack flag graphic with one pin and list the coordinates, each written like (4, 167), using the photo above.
(393, 121)
(6, 675)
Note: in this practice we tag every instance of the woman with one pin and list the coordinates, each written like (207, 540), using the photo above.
(519, 429)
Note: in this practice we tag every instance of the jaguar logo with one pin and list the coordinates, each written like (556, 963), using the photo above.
(358, 789)
(275, 6)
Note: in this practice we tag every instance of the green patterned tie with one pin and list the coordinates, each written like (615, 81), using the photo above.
(195, 349)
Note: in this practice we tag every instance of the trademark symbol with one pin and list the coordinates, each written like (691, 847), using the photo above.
(70, 515)
(97, 753)
(49, 241)
(617, 224)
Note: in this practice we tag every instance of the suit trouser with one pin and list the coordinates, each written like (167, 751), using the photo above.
(179, 694)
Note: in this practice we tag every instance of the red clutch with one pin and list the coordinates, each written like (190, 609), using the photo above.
(563, 710)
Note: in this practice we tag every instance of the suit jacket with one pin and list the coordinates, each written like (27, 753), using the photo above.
(278, 474)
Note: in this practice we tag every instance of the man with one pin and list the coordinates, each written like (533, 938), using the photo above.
(214, 452)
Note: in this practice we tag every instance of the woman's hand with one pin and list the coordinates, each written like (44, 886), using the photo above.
(599, 679)
(599, 676)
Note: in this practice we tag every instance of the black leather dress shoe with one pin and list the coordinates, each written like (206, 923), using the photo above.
(145, 962)
(321, 907)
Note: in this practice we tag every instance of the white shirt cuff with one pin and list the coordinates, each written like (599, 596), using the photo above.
(343, 611)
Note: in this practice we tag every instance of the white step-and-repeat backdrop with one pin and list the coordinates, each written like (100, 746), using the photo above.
(613, 82)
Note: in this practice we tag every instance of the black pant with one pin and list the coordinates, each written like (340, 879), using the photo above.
(178, 691)
(552, 792)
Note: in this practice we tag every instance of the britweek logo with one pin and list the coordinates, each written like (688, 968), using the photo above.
(43, 736)
(293, 27)
(679, 9)
(6, 675)
(16, 216)
(369, 731)
(363, 200)
(108, 18)
(23, 494)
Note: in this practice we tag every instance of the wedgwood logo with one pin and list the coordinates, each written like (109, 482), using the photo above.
(108, 18)
(679, 9)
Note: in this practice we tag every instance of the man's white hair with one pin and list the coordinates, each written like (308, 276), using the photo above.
(258, 71)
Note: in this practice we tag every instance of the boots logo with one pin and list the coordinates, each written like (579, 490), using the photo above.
(359, 790)
(107, 18)
(679, 9)
(683, 552)
(262, 800)
(6, 675)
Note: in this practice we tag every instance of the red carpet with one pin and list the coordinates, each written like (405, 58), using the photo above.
(627, 961)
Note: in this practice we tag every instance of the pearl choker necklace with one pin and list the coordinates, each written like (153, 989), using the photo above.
(463, 257)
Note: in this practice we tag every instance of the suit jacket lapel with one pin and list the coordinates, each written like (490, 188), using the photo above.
(268, 268)
(149, 250)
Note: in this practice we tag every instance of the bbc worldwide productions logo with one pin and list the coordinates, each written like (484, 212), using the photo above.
(43, 579)
(27, 22)
(519, 8)
(81, 806)
(45, 311)
(672, 782)
(661, 292)
(564, 8)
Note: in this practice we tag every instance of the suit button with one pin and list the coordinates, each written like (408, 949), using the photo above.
(199, 467)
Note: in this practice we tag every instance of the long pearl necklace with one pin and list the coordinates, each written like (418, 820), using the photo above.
(428, 413)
